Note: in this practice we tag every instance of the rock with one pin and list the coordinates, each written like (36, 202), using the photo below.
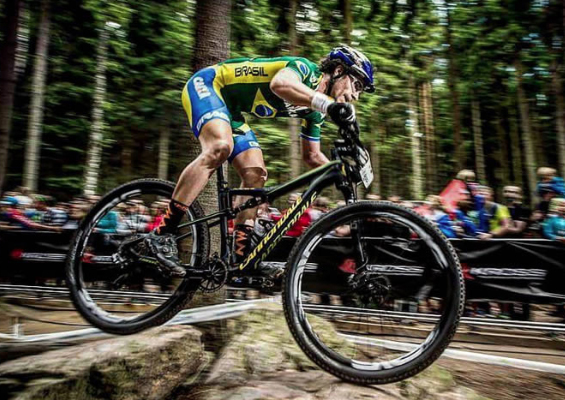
(262, 361)
(318, 385)
(148, 365)
(262, 344)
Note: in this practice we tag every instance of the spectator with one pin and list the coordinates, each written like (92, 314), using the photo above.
(108, 223)
(535, 226)
(77, 210)
(464, 226)
(23, 195)
(554, 226)
(50, 215)
(266, 217)
(433, 210)
(519, 215)
(340, 203)
(494, 218)
(303, 222)
(158, 213)
(135, 218)
(470, 179)
(548, 178)
(16, 219)
(319, 208)
(549, 187)
(466, 175)
(395, 199)
(372, 197)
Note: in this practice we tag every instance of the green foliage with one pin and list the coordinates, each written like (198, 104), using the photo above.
(150, 48)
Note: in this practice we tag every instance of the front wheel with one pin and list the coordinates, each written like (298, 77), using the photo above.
(373, 293)
(114, 281)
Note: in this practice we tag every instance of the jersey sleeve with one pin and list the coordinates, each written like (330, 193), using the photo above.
(312, 126)
(306, 70)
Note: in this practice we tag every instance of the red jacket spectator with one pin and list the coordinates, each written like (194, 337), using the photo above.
(300, 226)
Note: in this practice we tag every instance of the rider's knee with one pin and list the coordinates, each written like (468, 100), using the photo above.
(253, 176)
(217, 154)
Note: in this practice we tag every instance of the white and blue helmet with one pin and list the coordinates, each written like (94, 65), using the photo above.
(357, 63)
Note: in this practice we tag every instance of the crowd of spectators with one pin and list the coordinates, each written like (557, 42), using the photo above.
(20, 210)
(474, 213)
(465, 209)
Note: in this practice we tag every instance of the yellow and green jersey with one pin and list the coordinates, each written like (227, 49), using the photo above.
(234, 87)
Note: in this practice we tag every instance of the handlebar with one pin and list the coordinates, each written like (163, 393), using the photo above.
(351, 133)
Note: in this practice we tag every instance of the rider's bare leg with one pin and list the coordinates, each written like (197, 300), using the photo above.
(217, 144)
(251, 168)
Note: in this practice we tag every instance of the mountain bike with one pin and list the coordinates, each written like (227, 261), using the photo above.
(372, 292)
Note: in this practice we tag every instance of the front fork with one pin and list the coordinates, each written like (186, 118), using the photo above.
(349, 192)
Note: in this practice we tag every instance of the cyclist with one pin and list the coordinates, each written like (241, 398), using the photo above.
(214, 99)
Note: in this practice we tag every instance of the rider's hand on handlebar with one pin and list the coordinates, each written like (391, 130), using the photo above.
(343, 114)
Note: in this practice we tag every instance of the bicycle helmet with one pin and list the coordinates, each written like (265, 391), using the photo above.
(356, 63)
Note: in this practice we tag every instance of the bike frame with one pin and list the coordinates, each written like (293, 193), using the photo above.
(318, 179)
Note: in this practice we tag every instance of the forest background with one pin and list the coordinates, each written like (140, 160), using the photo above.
(90, 89)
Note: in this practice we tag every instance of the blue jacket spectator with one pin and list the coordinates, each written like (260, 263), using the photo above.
(554, 225)
(109, 223)
(463, 221)
(556, 185)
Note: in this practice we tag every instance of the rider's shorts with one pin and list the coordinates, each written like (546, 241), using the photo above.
(203, 102)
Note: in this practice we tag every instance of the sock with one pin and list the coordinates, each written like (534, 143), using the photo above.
(175, 211)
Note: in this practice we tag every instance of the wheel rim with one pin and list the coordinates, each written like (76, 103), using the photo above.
(374, 332)
(143, 294)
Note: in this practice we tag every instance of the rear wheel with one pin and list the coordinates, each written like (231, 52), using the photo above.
(114, 281)
(373, 293)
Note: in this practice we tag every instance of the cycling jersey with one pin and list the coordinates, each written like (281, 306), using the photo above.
(234, 87)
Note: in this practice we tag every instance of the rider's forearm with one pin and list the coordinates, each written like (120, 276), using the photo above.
(288, 87)
(315, 159)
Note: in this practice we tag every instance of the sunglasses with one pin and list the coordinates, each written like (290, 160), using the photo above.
(357, 83)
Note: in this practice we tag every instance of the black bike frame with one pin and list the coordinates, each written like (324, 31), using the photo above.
(319, 179)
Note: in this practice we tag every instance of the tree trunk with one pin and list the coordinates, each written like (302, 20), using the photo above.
(94, 155)
(211, 45)
(376, 187)
(33, 145)
(515, 148)
(459, 150)
(524, 108)
(7, 78)
(415, 136)
(212, 32)
(557, 73)
(502, 153)
(164, 152)
(539, 139)
(295, 149)
(427, 110)
(293, 123)
(22, 48)
(348, 21)
(478, 139)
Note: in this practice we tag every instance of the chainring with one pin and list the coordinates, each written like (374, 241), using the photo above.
(216, 275)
